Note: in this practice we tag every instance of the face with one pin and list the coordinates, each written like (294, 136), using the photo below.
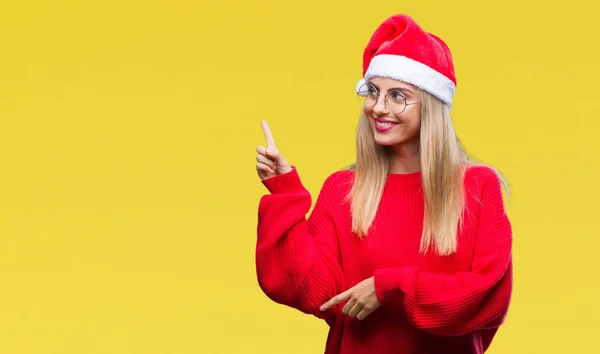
(391, 125)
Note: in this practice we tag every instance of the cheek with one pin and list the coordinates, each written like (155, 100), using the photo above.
(416, 124)
(412, 122)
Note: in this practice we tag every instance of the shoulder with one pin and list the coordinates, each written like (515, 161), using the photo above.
(483, 184)
(340, 177)
(338, 183)
(479, 175)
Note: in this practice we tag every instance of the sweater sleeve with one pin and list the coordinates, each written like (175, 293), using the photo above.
(297, 258)
(455, 304)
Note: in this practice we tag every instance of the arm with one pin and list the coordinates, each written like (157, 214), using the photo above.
(459, 303)
(297, 259)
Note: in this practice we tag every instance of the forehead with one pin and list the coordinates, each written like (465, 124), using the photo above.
(384, 83)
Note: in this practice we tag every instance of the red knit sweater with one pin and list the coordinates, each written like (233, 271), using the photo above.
(429, 303)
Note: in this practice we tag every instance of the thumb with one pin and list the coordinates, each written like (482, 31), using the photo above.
(280, 163)
(275, 156)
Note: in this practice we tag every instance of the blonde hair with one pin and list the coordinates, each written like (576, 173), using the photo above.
(443, 163)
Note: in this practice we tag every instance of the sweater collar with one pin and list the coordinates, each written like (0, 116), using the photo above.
(405, 178)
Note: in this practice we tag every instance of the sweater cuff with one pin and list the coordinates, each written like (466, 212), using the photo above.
(286, 183)
(392, 283)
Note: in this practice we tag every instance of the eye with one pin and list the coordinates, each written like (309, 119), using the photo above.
(372, 91)
(397, 96)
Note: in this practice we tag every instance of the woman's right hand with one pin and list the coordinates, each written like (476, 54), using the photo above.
(270, 162)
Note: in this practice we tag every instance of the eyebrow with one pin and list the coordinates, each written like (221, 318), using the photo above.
(403, 89)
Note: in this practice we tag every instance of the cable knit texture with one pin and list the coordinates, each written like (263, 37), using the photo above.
(430, 304)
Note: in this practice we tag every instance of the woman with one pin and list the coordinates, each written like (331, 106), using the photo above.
(409, 250)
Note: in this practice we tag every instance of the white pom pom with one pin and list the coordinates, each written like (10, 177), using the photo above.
(359, 84)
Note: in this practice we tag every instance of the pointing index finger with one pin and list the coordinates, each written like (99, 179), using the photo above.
(268, 136)
(335, 300)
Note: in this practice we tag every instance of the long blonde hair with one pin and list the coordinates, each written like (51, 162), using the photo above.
(443, 163)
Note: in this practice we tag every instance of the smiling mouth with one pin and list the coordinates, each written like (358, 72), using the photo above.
(384, 124)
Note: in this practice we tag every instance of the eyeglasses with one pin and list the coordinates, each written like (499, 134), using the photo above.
(394, 100)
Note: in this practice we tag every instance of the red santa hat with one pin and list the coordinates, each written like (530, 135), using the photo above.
(400, 49)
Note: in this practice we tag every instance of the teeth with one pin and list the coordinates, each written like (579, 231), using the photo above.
(384, 125)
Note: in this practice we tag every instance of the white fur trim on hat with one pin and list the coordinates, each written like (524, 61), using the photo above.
(413, 72)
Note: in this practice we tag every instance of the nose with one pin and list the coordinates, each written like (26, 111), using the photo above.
(380, 106)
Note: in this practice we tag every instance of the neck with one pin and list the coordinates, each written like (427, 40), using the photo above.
(405, 159)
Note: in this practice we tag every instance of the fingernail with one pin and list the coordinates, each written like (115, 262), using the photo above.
(269, 151)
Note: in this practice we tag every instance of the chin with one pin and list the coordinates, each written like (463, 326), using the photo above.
(388, 140)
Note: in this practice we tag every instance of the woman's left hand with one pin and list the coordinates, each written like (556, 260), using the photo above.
(362, 300)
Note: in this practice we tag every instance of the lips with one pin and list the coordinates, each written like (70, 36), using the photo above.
(383, 125)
